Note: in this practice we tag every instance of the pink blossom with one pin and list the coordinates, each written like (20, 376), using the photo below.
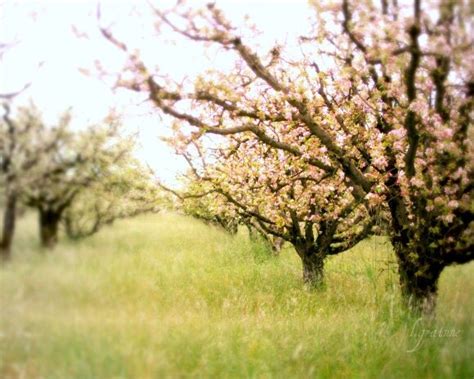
(340, 139)
(444, 133)
(380, 162)
(417, 182)
(398, 133)
(453, 204)
(449, 218)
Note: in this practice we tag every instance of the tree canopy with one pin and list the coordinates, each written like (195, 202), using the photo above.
(388, 107)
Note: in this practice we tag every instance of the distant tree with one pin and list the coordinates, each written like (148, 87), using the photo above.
(25, 149)
(128, 189)
(48, 167)
(81, 159)
(11, 136)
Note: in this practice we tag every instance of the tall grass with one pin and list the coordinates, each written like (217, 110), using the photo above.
(166, 296)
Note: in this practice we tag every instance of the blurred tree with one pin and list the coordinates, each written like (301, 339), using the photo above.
(127, 190)
(80, 159)
(54, 168)
(25, 147)
(16, 158)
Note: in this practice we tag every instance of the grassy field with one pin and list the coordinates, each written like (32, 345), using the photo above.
(165, 296)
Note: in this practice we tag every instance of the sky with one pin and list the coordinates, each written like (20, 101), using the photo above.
(57, 44)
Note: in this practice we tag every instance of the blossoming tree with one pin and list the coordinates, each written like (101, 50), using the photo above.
(125, 189)
(26, 147)
(80, 160)
(281, 196)
(390, 106)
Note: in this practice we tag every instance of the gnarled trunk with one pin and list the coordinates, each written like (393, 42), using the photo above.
(313, 265)
(418, 280)
(9, 217)
(313, 270)
(418, 270)
(49, 223)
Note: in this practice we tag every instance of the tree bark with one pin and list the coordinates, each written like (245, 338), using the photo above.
(9, 218)
(49, 223)
(418, 268)
(313, 265)
(418, 281)
(313, 270)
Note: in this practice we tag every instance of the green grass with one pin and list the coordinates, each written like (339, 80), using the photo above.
(166, 296)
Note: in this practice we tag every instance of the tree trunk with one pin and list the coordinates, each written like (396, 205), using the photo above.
(49, 222)
(9, 217)
(418, 281)
(418, 270)
(313, 270)
(313, 265)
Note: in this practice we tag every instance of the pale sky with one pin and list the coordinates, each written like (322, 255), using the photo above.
(43, 32)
